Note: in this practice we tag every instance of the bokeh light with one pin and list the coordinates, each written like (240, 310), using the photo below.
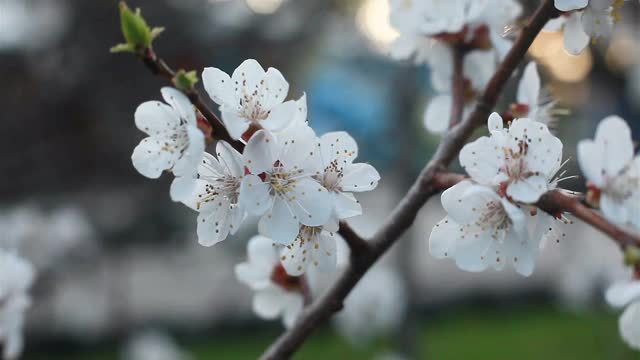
(548, 49)
(373, 20)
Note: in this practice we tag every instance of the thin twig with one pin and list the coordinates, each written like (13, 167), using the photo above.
(556, 202)
(457, 85)
(405, 212)
(159, 67)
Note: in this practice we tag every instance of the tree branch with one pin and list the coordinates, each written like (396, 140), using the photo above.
(405, 212)
(457, 85)
(555, 202)
(356, 243)
(159, 67)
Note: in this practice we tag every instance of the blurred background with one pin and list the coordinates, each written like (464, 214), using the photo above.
(121, 275)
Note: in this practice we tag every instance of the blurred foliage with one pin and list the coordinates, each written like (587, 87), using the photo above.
(533, 332)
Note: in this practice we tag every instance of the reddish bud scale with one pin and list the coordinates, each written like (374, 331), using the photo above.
(280, 277)
(205, 127)
(519, 110)
(253, 128)
(481, 39)
(593, 194)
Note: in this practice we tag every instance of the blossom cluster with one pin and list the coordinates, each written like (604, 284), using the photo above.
(430, 32)
(299, 185)
(584, 21)
(491, 218)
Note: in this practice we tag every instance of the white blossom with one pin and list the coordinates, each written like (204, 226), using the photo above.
(252, 96)
(277, 294)
(484, 230)
(280, 186)
(16, 277)
(337, 172)
(375, 307)
(216, 195)
(478, 66)
(314, 246)
(153, 345)
(585, 20)
(627, 294)
(532, 102)
(520, 160)
(609, 164)
(175, 143)
(422, 24)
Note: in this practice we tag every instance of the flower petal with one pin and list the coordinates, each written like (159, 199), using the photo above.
(281, 116)
(254, 195)
(528, 190)
(310, 202)
(156, 119)
(442, 241)
(267, 304)
(629, 325)
(529, 86)
(253, 276)
(622, 293)
(275, 88)
(247, 77)
(346, 205)
(575, 39)
(180, 103)
(150, 158)
(213, 225)
(219, 87)
(293, 307)
(280, 223)
(438, 113)
(360, 177)
(568, 5)
(230, 159)
(614, 137)
(259, 153)
(340, 146)
(235, 124)
(482, 159)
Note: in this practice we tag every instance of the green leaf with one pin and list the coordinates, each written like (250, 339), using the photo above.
(184, 80)
(122, 48)
(135, 29)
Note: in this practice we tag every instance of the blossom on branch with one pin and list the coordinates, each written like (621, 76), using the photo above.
(216, 195)
(277, 293)
(613, 172)
(476, 24)
(16, 277)
(478, 67)
(280, 186)
(337, 172)
(627, 294)
(175, 143)
(520, 161)
(585, 20)
(252, 96)
(532, 101)
(483, 229)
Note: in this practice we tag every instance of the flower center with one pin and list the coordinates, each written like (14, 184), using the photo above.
(332, 176)
(227, 186)
(621, 187)
(494, 217)
(251, 105)
(283, 181)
